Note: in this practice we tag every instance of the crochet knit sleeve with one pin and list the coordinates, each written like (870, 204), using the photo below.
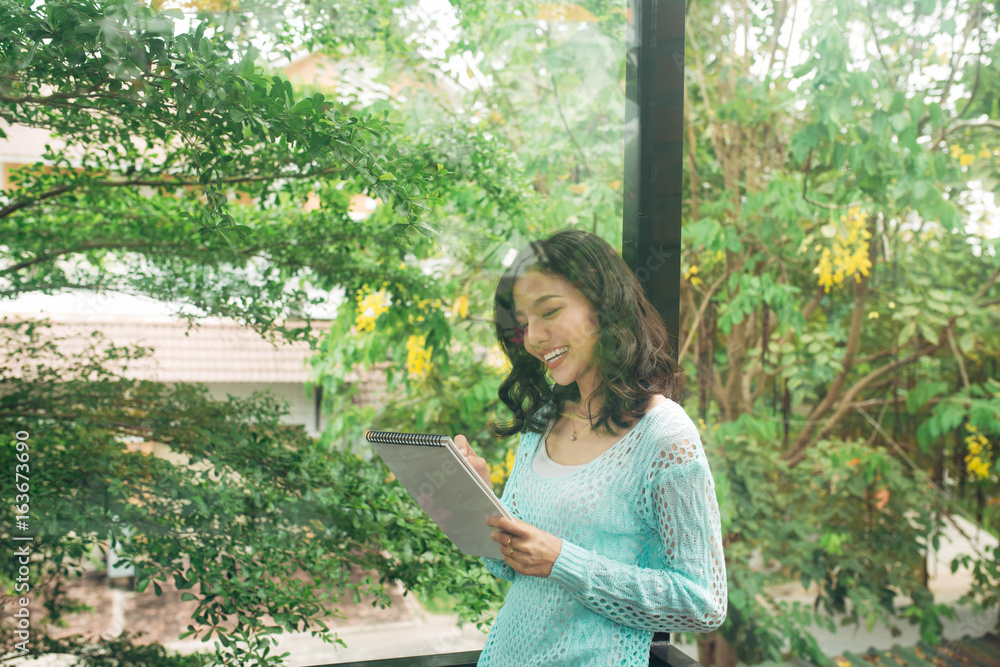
(688, 591)
(499, 568)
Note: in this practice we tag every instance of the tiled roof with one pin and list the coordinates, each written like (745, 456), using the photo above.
(211, 352)
(967, 652)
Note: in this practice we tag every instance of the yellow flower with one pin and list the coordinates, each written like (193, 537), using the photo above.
(966, 159)
(849, 255)
(499, 473)
(977, 467)
(370, 307)
(956, 150)
(418, 358)
(976, 463)
(985, 153)
(460, 308)
(558, 11)
(873, 315)
(692, 276)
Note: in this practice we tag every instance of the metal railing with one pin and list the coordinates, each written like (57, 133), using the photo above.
(661, 654)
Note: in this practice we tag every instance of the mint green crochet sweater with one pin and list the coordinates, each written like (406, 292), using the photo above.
(641, 551)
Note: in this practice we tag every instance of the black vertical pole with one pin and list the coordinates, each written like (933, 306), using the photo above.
(654, 137)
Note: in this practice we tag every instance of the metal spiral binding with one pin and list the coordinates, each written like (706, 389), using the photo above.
(394, 438)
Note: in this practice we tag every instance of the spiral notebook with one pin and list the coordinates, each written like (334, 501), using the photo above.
(445, 486)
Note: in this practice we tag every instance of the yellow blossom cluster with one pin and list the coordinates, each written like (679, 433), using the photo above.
(423, 305)
(692, 275)
(559, 11)
(370, 307)
(849, 256)
(460, 308)
(418, 357)
(499, 473)
(976, 443)
(966, 159)
(203, 5)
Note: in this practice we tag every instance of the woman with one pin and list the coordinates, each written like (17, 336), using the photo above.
(617, 532)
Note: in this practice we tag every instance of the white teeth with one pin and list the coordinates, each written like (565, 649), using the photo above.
(556, 353)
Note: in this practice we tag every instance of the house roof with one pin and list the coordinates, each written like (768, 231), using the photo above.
(211, 352)
(966, 652)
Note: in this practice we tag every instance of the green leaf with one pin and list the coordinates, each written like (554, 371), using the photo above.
(929, 332)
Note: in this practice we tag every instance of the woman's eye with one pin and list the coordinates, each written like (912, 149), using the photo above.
(551, 312)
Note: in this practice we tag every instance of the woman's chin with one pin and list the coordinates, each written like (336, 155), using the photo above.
(561, 379)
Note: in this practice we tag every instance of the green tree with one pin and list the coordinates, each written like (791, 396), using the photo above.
(180, 170)
(833, 274)
(836, 296)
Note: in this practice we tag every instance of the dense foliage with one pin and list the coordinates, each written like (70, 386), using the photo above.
(840, 303)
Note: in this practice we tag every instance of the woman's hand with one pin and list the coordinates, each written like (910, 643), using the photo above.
(477, 462)
(527, 549)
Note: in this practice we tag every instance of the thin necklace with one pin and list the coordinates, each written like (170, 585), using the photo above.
(573, 437)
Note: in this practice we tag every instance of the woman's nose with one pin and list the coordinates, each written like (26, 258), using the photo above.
(536, 334)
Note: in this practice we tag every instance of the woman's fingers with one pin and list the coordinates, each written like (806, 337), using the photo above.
(477, 462)
(512, 526)
(529, 550)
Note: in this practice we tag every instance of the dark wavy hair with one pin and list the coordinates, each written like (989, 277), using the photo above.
(632, 352)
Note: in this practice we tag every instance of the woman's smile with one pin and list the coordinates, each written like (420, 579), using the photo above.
(550, 311)
(555, 356)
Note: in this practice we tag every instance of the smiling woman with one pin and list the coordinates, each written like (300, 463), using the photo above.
(617, 531)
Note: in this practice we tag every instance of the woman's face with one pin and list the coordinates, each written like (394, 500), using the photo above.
(561, 327)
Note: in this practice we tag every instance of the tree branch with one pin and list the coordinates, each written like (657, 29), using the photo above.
(959, 124)
(795, 455)
(957, 58)
(698, 318)
(86, 245)
(25, 203)
(958, 358)
(49, 99)
(847, 365)
(164, 183)
(579, 150)
(987, 285)
(809, 200)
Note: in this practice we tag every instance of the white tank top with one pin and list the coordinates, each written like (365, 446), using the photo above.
(545, 466)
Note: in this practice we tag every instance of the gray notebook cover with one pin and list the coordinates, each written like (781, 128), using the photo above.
(445, 486)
